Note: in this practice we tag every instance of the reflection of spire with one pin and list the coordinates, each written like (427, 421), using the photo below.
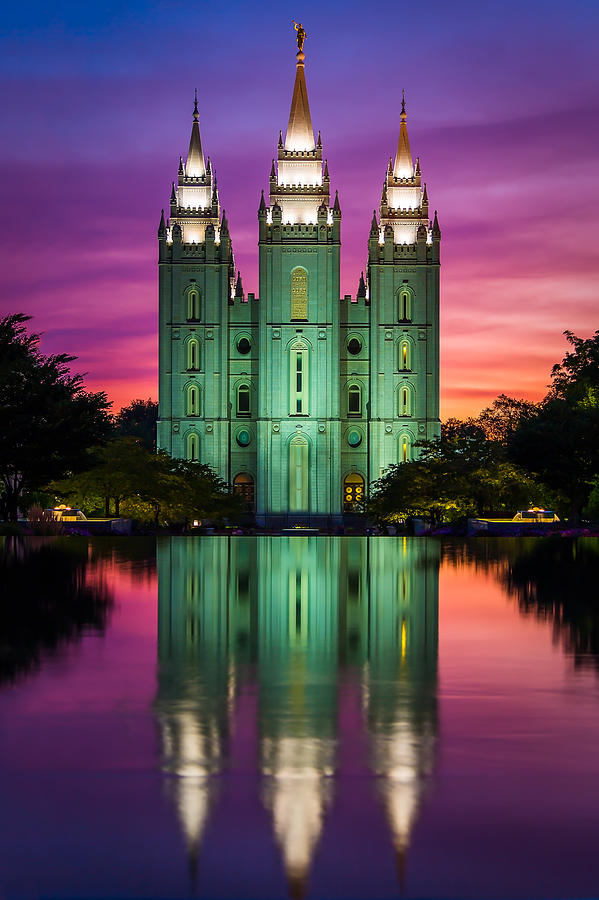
(401, 678)
(298, 793)
(196, 685)
(298, 714)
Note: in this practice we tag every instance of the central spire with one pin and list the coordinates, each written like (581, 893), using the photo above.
(300, 135)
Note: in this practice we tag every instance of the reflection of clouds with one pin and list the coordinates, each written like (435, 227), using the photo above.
(297, 792)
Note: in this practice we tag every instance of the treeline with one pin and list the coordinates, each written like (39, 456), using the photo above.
(59, 442)
(513, 455)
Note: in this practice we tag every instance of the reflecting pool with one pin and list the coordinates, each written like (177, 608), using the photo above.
(299, 717)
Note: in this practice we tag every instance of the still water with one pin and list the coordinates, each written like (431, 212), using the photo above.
(299, 717)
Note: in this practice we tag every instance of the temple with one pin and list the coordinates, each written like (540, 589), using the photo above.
(298, 398)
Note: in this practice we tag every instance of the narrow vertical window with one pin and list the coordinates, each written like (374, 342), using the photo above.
(193, 305)
(354, 400)
(299, 294)
(193, 355)
(405, 304)
(193, 447)
(243, 401)
(193, 400)
(404, 355)
(298, 380)
(404, 449)
(405, 401)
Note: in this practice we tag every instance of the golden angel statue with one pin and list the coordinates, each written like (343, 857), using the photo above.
(301, 34)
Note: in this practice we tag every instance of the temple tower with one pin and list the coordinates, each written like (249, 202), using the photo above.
(196, 284)
(298, 394)
(403, 296)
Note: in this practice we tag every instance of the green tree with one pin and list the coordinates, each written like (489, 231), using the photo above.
(47, 419)
(559, 442)
(138, 420)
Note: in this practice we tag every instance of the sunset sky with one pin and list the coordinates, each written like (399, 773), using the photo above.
(502, 102)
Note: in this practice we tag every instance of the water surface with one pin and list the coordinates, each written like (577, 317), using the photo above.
(299, 717)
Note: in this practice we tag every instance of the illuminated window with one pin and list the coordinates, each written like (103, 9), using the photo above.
(404, 355)
(243, 484)
(405, 448)
(405, 401)
(243, 400)
(193, 305)
(354, 400)
(298, 380)
(193, 354)
(299, 294)
(193, 400)
(405, 306)
(193, 447)
(353, 492)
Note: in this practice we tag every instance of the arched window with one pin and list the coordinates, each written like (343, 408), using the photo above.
(193, 304)
(299, 294)
(298, 474)
(192, 449)
(193, 354)
(404, 313)
(244, 407)
(405, 400)
(354, 400)
(405, 360)
(243, 484)
(353, 492)
(405, 448)
(193, 400)
(298, 380)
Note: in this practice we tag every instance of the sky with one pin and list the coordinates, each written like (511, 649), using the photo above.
(502, 102)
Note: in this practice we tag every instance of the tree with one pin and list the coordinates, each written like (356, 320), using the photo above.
(503, 416)
(150, 487)
(576, 378)
(138, 420)
(462, 474)
(47, 419)
(559, 441)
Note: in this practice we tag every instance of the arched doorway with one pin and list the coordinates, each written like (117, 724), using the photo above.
(353, 492)
(243, 484)
(298, 474)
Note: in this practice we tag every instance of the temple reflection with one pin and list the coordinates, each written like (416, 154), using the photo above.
(293, 618)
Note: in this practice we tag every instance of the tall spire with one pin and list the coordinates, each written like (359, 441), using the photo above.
(404, 167)
(300, 135)
(195, 166)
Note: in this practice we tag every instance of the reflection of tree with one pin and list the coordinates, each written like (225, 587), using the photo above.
(555, 579)
(558, 580)
(48, 599)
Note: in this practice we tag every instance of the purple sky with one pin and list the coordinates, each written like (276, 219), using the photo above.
(502, 109)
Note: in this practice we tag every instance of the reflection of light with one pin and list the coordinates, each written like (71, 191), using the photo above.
(297, 795)
(403, 639)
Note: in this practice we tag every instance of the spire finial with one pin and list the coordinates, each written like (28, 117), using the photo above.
(196, 115)
(301, 37)
(403, 105)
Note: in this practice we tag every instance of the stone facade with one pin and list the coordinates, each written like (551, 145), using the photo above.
(299, 399)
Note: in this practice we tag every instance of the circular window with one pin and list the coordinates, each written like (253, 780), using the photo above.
(243, 437)
(354, 345)
(243, 346)
(354, 439)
